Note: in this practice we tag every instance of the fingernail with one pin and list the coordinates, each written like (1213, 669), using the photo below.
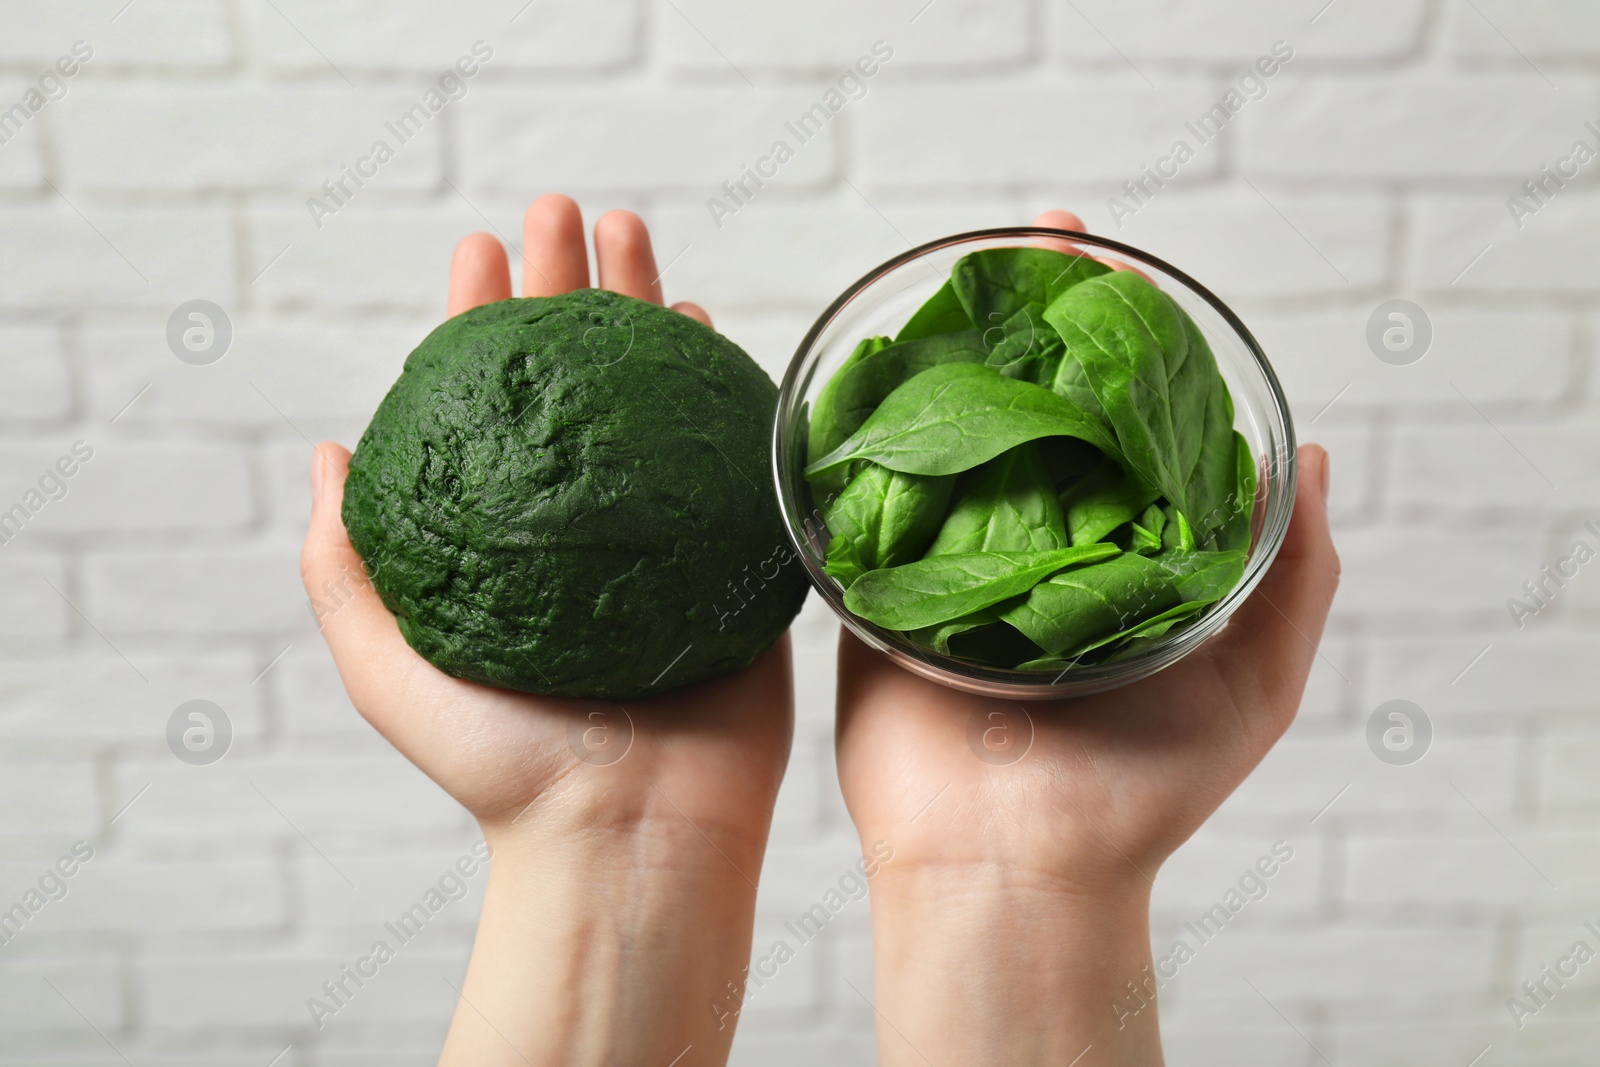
(316, 473)
(1327, 475)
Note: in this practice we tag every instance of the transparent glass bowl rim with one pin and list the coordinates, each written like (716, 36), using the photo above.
(794, 494)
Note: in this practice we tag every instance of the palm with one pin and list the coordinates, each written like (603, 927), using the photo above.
(705, 756)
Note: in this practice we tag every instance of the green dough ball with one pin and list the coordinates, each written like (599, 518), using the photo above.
(572, 495)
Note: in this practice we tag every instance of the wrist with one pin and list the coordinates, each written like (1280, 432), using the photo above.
(637, 926)
(999, 965)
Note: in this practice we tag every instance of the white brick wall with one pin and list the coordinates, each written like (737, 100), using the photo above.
(1378, 165)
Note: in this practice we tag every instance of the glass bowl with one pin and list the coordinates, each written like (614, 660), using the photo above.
(882, 301)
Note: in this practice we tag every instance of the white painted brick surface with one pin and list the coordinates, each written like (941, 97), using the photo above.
(1487, 125)
(1378, 165)
(829, 38)
(424, 41)
(1170, 30)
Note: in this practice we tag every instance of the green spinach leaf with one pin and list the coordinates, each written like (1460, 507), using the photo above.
(1103, 500)
(1146, 535)
(996, 283)
(1006, 505)
(882, 519)
(952, 417)
(1157, 381)
(1077, 607)
(942, 313)
(940, 588)
(858, 387)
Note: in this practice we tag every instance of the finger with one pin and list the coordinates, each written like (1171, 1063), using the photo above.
(1271, 641)
(694, 311)
(1059, 220)
(1117, 264)
(367, 646)
(479, 273)
(626, 262)
(554, 259)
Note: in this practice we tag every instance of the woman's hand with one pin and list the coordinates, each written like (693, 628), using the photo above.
(627, 838)
(1027, 836)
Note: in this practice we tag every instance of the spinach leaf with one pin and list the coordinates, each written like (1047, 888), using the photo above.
(938, 637)
(1158, 383)
(1177, 533)
(1200, 578)
(1234, 531)
(996, 283)
(1146, 534)
(940, 588)
(942, 313)
(1103, 500)
(1203, 576)
(1006, 505)
(999, 644)
(859, 386)
(882, 519)
(1077, 607)
(952, 417)
(1025, 347)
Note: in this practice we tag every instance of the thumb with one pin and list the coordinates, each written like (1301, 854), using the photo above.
(1271, 641)
(365, 641)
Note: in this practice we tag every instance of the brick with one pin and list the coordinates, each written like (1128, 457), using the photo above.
(1307, 774)
(802, 1050)
(1306, 965)
(330, 798)
(1219, 238)
(799, 799)
(197, 591)
(272, 990)
(1169, 30)
(37, 383)
(1396, 1044)
(798, 877)
(788, 987)
(1476, 470)
(182, 138)
(325, 378)
(50, 797)
(829, 38)
(1437, 571)
(1187, 1044)
(52, 704)
(373, 254)
(1547, 256)
(35, 610)
(1329, 373)
(89, 985)
(1558, 29)
(1411, 127)
(390, 886)
(1206, 867)
(172, 255)
(1568, 777)
(911, 134)
(374, 36)
(115, 894)
(21, 155)
(693, 139)
(130, 486)
(826, 245)
(1538, 671)
(1442, 869)
(184, 33)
